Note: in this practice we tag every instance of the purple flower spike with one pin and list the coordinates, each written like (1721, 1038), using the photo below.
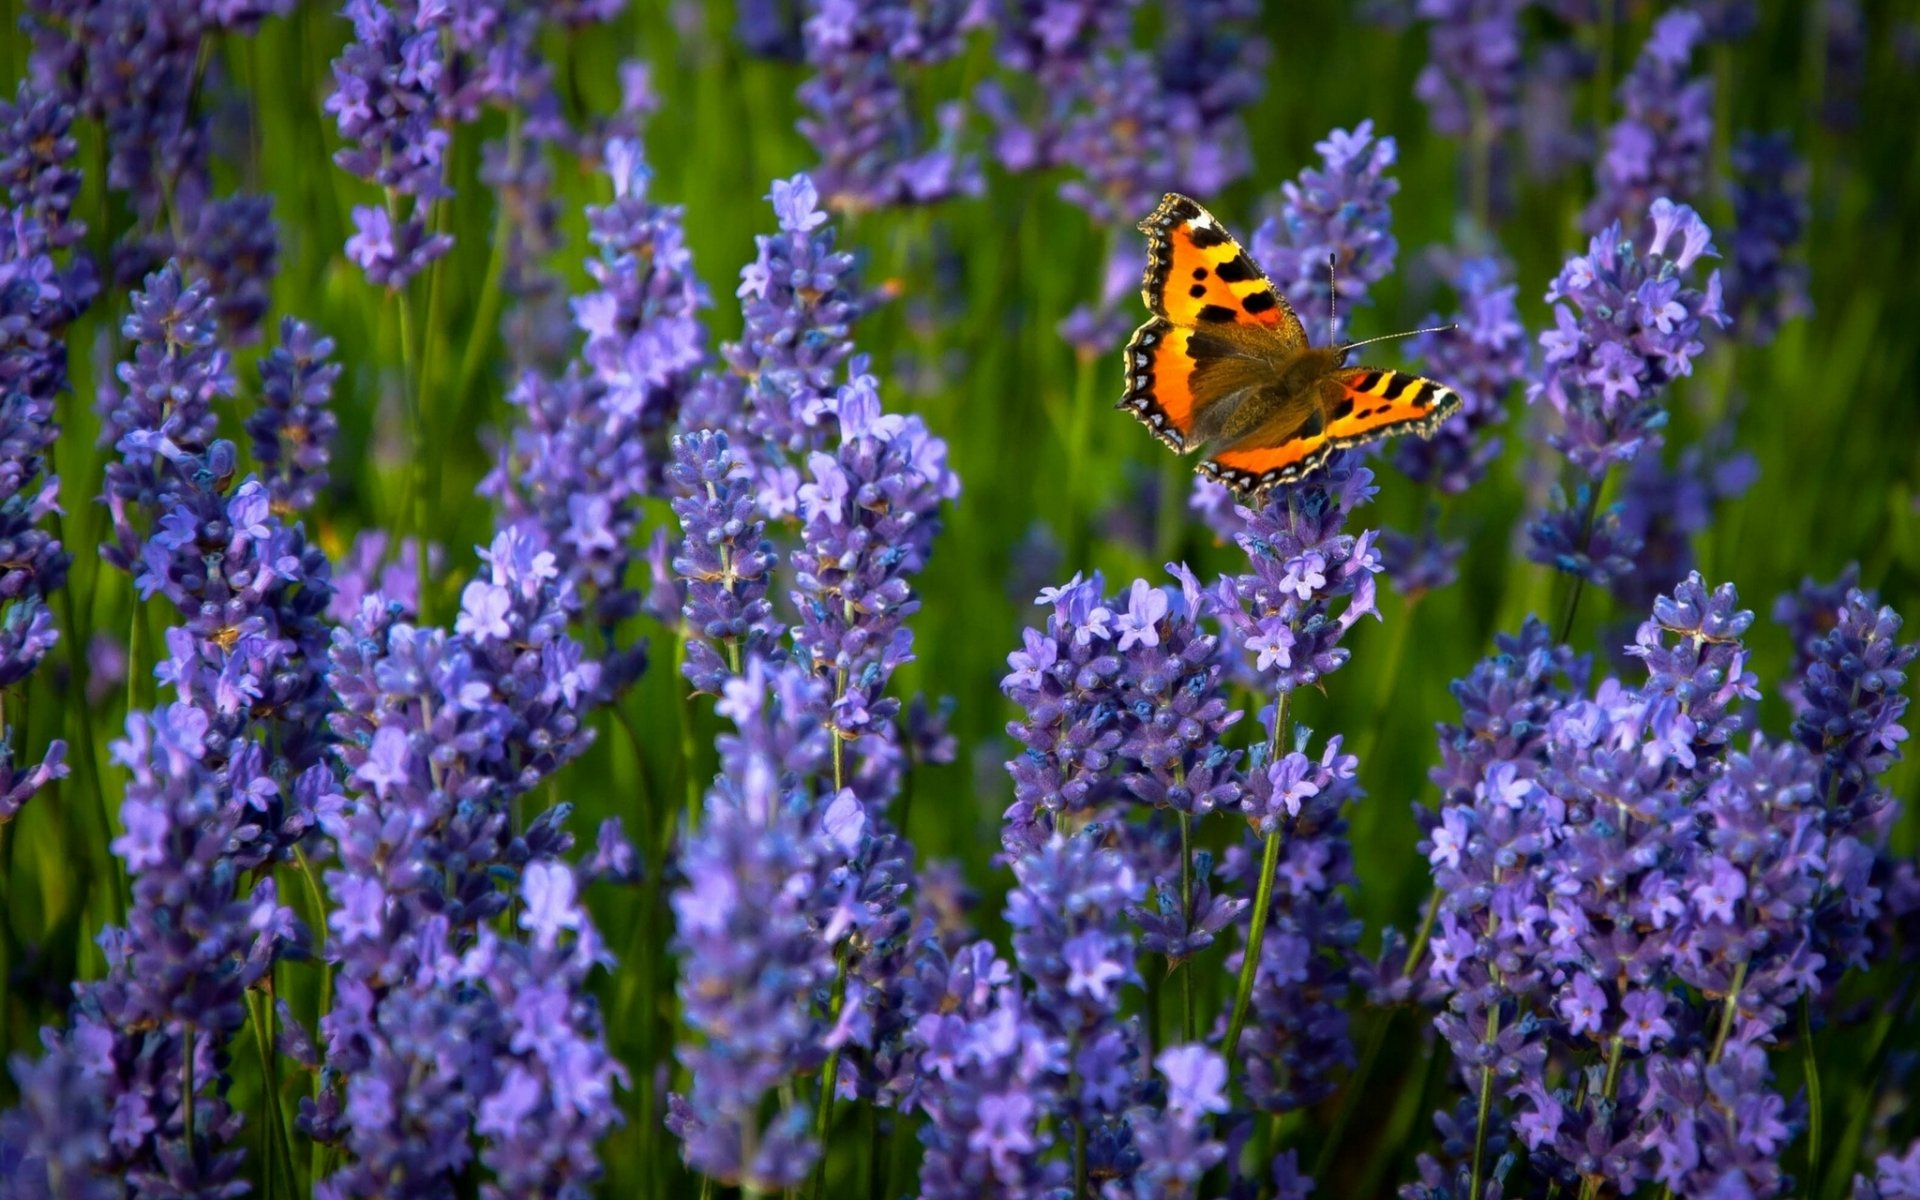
(726, 562)
(1619, 877)
(800, 298)
(38, 298)
(1766, 286)
(860, 119)
(1637, 328)
(591, 444)
(293, 430)
(1308, 579)
(1660, 147)
(1481, 358)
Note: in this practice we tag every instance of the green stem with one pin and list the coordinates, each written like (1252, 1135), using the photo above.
(279, 1151)
(1079, 1160)
(685, 707)
(1587, 515)
(1262, 902)
(1814, 1115)
(186, 1092)
(1486, 1106)
(1350, 1097)
(76, 665)
(1187, 1016)
(1590, 1185)
(829, 1075)
(1726, 1015)
(1419, 947)
(1250, 959)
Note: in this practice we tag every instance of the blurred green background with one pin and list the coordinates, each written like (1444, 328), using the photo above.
(1830, 412)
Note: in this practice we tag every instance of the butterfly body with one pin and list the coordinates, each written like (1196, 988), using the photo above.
(1224, 365)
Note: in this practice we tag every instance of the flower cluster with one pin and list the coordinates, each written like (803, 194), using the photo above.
(1766, 288)
(293, 429)
(1472, 82)
(248, 587)
(754, 877)
(589, 447)
(38, 299)
(1297, 1035)
(138, 71)
(1125, 704)
(870, 511)
(1639, 326)
(1481, 357)
(1308, 581)
(1630, 897)
(410, 74)
(726, 562)
(150, 1035)
(1660, 147)
(1341, 211)
(442, 1031)
(800, 298)
(861, 118)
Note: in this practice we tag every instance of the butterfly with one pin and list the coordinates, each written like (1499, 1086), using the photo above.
(1224, 366)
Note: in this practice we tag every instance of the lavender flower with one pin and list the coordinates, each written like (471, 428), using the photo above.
(1072, 944)
(990, 1070)
(1619, 881)
(1845, 690)
(726, 561)
(1659, 148)
(1340, 208)
(1173, 1143)
(409, 74)
(1765, 287)
(1471, 83)
(38, 298)
(861, 121)
(573, 473)
(1282, 612)
(799, 298)
(1482, 357)
(744, 927)
(175, 988)
(1638, 328)
(1125, 705)
(37, 148)
(138, 72)
(1297, 1035)
(1895, 1177)
(293, 430)
(438, 733)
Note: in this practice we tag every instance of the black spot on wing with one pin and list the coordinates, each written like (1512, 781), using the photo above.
(1259, 302)
(1396, 386)
(1218, 314)
(1197, 290)
(1238, 269)
(1342, 410)
(1206, 237)
(1366, 382)
(1422, 395)
(1199, 272)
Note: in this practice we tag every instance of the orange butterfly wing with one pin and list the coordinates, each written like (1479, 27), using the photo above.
(1375, 401)
(1196, 275)
(1361, 404)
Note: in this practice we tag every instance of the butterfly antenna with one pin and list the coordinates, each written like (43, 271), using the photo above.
(1333, 295)
(1387, 337)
